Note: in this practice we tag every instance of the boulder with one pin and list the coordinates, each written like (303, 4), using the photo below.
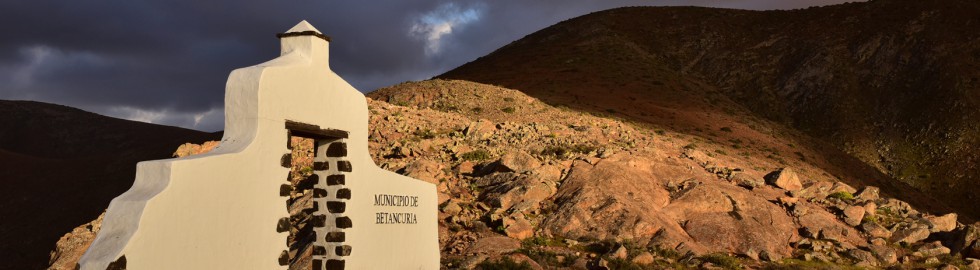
(784, 178)
(875, 230)
(885, 254)
(869, 193)
(910, 235)
(622, 196)
(620, 253)
(863, 258)
(518, 227)
(518, 162)
(746, 181)
(943, 223)
(853, 215)
(931, 249)
(973, 264)
(644, 258)
(425, 170)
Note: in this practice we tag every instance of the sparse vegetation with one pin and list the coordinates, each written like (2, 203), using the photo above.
(476, 155)
(722, 260)
(505, 263)
(842, 195)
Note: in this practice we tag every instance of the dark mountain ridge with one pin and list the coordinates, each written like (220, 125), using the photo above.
(893, 83)
(61, 166)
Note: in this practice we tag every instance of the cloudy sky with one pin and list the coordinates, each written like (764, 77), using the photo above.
(166, 62)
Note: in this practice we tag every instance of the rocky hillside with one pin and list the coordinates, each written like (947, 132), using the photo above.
(60, 166)
(526, 185)
(893, 83)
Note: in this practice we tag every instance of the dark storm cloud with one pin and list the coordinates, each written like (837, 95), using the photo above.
(166, 61)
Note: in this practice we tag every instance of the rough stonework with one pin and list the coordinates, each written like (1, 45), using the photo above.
(226, 209)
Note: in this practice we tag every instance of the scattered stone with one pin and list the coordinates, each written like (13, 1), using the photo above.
(644, 258)
(620, 253)
(493, 245)
(788, 201)
(875, 230)
(452, 208)
(886, 254)
(853, 215)
(472, 261)
(973, 264)
(784, 178)
(931, 260)
(767, 256)
(878, 242)
(863, 258)
(943, 223)
(518, 228)
(870, 209)
(931, 249)
(522, 259)
(746, 181)
(425, 170)
(910, 235)
(869, 193)
(518, 162)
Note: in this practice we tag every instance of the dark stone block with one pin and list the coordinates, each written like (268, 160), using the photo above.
(317, 264)
(336, 207)
(335, 237)
(319, 250)
(337, 149)
(315, 208)
(318, 221)
(287, 160)
(336, 179)
(119, 264)
(344, 222)
(344, 166)
(282, 225)
(284, 257)
(314, 131)
(343, 193)
(321, 166)
(335, 264)
(343, 250)
(285, 189)
(320, 193)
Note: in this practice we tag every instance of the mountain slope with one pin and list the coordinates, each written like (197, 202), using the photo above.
(892, 83)
(60, 166)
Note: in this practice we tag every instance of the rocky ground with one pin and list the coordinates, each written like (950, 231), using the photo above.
(525, 185)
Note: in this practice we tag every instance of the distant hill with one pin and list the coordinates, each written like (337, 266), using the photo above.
(60, 167)
(892, 83)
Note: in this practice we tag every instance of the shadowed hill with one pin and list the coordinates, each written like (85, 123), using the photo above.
(891, 83)
(61, 166)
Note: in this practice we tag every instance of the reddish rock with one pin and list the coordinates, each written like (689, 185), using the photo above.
(943, 223)
(785, 178)
(910, 235)
(493, 245)
(518, 227)
(518, 161)
(853, 215)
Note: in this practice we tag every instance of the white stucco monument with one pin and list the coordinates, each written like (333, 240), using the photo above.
(225, 209)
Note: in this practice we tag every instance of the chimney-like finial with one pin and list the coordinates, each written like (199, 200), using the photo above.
(303, 28)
